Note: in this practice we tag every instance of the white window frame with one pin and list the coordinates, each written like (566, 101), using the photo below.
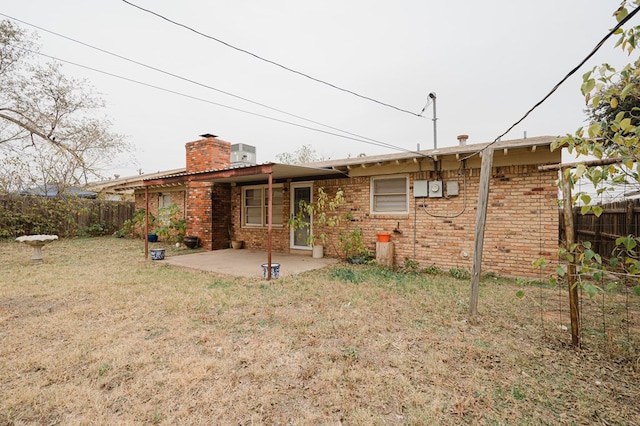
(264, 189)
(373, 195)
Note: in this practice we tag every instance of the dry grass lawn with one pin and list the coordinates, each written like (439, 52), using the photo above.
(97, 335)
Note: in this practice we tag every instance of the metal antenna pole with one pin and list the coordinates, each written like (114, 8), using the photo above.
(432, 95)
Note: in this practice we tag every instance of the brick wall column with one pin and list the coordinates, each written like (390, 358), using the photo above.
(208, 206)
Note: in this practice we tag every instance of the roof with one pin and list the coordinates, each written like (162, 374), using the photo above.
(321, 169)
(129, 182)
(247, 173)
(459, 150)
(52, 190)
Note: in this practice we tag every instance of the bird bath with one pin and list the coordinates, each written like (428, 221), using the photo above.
(37, 242)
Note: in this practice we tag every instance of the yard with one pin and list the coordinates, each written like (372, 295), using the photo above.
(98, 335)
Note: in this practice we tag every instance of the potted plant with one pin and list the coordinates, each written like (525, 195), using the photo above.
(191, 241)
(235, 243)
(324, 212)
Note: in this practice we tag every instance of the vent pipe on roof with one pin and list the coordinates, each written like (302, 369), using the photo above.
(432, 96)
(462, 139)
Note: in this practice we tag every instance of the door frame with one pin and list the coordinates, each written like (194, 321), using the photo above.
(292, 204)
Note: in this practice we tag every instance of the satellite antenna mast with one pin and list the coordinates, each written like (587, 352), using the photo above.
(432, 96)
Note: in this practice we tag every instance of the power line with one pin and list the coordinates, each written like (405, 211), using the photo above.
(357, 137)
(565, 78)
(270, 61)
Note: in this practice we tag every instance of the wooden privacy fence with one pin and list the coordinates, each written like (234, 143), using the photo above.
(63, 216)
(618, 219)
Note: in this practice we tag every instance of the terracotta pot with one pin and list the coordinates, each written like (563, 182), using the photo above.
(383, 237)
(236, 244)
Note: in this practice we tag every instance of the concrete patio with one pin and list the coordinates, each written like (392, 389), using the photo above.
(246, 263)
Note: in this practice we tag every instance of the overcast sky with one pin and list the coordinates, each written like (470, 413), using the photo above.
(488, 62)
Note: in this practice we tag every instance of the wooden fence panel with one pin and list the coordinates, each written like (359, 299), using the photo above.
(24, 215)
(617, 220)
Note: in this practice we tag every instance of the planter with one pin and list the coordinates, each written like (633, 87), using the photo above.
(275, 270)
(317, 252)
(157, 254)
(191, 241)
(236, 244)
(384, 237)
(152, 238)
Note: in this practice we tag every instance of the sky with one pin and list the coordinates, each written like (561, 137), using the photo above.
(488, 62)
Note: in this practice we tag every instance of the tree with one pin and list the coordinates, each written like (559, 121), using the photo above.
(617, 96)
(612, 109)
(50, 127)
(613, 133)
(304, 154)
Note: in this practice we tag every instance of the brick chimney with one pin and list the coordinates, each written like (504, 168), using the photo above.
(208, 206)
(207, 153)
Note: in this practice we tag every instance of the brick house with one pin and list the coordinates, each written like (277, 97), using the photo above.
(427, 200)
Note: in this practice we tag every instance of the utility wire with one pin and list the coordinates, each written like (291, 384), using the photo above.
(375, 142)
(565, 78)
(270, 61)
(358, 138)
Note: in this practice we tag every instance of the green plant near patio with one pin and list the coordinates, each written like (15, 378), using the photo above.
(353, 247)
(326, 214)
(134, 227)
(460, 273)
(170, 225)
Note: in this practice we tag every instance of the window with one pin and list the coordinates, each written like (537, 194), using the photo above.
(255, 206)
(390, 194)
(164, 200)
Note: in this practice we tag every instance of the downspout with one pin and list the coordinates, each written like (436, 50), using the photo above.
(146, 222)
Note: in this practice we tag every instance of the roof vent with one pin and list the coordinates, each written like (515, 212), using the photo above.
(462, 139)
(208, 135)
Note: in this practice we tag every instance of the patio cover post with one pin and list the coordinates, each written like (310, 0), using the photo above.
(269, 220)
(146, 222)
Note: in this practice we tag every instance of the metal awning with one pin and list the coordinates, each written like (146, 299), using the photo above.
(253, 173)
(269, 172)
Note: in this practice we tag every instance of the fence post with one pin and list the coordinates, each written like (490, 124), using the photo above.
(628, 224)
(571, 267)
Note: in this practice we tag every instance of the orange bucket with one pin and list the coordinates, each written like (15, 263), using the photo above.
(384, 237)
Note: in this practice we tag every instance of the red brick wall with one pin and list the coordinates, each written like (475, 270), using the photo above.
(522, 221)
(199, 211)
(177, 197)
(256, 238)
(221, 217)
(207, 154)
(207, 221)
